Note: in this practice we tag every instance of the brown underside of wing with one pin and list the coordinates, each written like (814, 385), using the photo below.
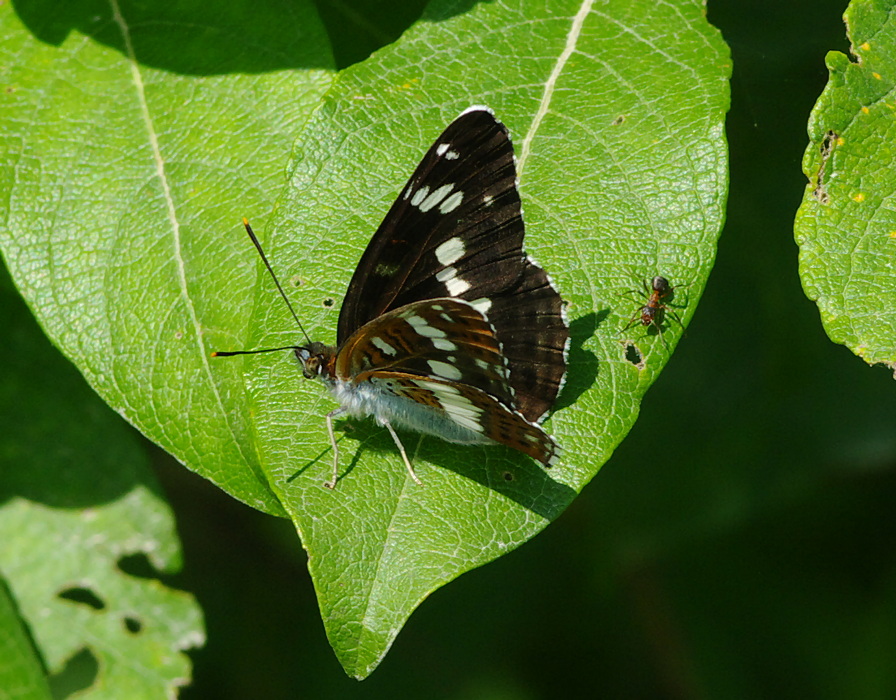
(529, 323)
(462, 403)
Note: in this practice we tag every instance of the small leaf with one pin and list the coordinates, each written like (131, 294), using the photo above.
(846, 225)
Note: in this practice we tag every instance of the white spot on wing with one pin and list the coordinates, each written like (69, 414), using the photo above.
(464, 413)
(458, 408)
(452, 155)
(384, 347)
(486, 200)
(482, 305)
(443, 344)
(420, 195)
(450, 251)
(444, 370)
(434, 198)
(454, 284)
(437, 388)
(441, 148)
(452, 203)
(423, 328)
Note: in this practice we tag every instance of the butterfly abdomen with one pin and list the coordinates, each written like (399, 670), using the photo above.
(387, 400)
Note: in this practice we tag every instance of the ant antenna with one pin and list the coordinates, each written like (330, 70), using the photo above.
(267, 264)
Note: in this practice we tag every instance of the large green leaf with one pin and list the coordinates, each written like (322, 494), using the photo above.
(617, 112)
(120, 236)
(846, 225)
(134, 136)
(76, 498)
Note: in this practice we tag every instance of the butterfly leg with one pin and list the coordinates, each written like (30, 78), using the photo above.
(404, 454)
(330, 416)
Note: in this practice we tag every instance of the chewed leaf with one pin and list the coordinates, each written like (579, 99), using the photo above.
(846, 225)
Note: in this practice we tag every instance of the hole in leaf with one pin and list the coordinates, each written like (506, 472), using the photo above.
(295, 281)
(79, 673)
(618, 120)
(137, 565)
(132, 624)
(328, 302)
(507, 476)
(83, 596)
(633, 355)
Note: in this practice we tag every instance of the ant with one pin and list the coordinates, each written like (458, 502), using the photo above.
(657, 292)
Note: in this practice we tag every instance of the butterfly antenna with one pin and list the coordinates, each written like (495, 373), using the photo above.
(231, 353)
(264, 259)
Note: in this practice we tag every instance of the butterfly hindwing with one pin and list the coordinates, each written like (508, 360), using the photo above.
(487, 419)
(530, 324)
(446, 339)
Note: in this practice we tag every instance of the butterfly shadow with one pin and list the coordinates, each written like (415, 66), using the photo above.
(582, 364)
(498, 468)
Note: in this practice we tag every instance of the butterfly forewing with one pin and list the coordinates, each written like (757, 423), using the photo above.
(456, 223)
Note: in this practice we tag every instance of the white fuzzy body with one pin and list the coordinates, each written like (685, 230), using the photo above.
(368, 399)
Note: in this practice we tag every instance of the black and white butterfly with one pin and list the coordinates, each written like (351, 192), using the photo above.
(448, 328)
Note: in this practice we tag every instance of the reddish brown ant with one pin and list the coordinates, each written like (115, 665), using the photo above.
(657, 292)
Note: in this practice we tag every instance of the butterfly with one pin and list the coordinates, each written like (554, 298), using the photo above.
(448, 327)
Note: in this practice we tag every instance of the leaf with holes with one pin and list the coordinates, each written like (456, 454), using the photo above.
(846, 225)
(76, 498)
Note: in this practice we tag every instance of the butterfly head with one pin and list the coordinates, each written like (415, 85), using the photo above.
(317, 360)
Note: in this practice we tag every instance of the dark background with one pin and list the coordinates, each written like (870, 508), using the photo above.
(739, 543)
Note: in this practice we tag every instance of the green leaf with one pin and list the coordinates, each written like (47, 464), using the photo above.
(618, 128)
(76, 498)
(135, 137)
(21, 675)
(120, 237)
(846, 225)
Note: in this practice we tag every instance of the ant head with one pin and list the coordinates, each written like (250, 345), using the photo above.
(661, 285)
